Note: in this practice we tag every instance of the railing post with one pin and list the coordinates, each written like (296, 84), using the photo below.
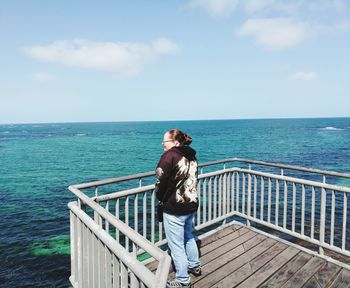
(322, 219)
(140, 182)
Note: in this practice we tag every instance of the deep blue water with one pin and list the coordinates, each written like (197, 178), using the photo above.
(39, 161)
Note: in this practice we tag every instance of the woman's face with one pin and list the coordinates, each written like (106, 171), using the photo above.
(168, 143)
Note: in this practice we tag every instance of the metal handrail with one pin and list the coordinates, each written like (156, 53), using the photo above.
(211, 163)
(164, 259)
(120, 225)
(225, 189)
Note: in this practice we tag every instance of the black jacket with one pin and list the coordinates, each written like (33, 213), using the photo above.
(176, 184)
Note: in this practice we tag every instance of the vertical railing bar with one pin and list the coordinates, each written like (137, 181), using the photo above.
(269, 201)
(285, 200)
(204, 201)
(116, 272)
(136, 222)
(199, 201)
(302, 209)
(117, 216)
(277, 201)
(322, 219)
(85, 252)
(332, 217)
(233, 191)
(140, 182)
(220, 196)
(72, 220)
(144, 217)
(312, 212)
(108, 268)
(345, 211)
(237, 192)
(152, 216)
(293, 207)
(101, 266)
(224, 198)
(123, 275)
(96, 261)
(134, 282)
(215, 196)
(90, 259)
(262, 185)
(126, 211)
(243, 193)
(249, 207)
(209, 198)
(79, 252)
(255, 192)
(228, 192)
(106, 221)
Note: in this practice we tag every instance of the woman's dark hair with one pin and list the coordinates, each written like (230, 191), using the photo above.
(180, 136)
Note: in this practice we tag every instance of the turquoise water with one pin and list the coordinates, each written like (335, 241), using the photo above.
(39, 161)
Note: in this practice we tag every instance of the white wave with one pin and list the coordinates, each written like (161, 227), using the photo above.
(330, 128)
(6, 132)
(80, 134)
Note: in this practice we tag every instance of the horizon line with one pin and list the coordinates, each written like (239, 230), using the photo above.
(175, 120)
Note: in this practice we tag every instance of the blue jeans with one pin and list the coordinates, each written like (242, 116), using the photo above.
(183, 247)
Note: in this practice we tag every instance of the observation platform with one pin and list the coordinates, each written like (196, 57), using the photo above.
(259, 224)
(238, 256)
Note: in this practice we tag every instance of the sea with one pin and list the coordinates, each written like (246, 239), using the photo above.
(39, 161)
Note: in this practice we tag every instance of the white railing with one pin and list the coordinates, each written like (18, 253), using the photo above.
(97, 258)
(294, 200)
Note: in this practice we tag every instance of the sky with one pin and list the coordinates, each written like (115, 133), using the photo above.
(102, 61)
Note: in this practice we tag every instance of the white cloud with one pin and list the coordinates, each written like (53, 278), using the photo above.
(165, 46)
(216, 7)
(122, 58)
(340, 5)
(304, 76)
(254, 6)
(280, 24)
(42, 76)
(275, 33)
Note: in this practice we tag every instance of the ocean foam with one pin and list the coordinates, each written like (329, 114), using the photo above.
(330, 128)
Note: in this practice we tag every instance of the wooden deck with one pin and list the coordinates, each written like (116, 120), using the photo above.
(239, 257)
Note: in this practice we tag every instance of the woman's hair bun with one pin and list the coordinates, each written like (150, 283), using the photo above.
(180, 136)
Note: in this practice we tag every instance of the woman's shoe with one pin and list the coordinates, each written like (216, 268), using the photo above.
(196, 271)
(175, 283)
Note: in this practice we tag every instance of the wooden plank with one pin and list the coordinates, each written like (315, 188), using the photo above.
(229, 266)
(222, 249)
(205, 246)
(342, 280)
(266, 256)
(225, 239)
(247, 270)
(213, 263)
(312, 283)
(327, 273)
(226, 253)
(305, 273)
(287, 271)
(220, 234)
(271, 267)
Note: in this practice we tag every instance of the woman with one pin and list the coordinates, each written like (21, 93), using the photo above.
(176, 187)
